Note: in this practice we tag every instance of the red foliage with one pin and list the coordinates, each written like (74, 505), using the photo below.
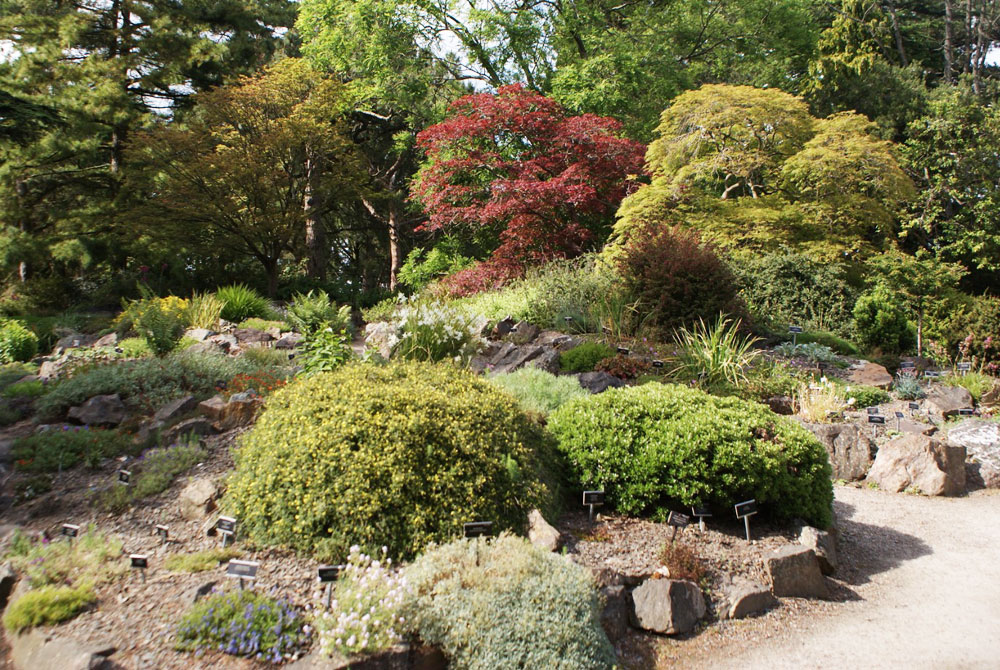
(518, 162)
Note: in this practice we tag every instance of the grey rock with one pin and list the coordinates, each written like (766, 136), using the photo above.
(75, 340)
(197, 499)
(288, 341)
(668, 606)
(101, 410)
(847, 445)
(921, 464)
(606, 577)
(503, 327)
(541, 533)
(516, 358)
(251, 335)
(981, 440)
(556, 340)
(615, 612)
(225, 341)
(523, 332)
(198, 425)
(208, 347)
(599, 382)
(823, 544)
(199, 334)
(50, 369)
(795, 573)
(395, 658)
(916, 427)
(781, 404)
(109, 340)
(5, 447)
(36, 650)
(746, 598)
(871, 374)
(548, 361)
(176, 408)
(947, 400)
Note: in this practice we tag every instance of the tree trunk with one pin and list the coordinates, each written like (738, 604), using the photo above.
(271, 267)
(899, 35)
(920, 331)
(394, 260)
(949, 53)
(316, 246)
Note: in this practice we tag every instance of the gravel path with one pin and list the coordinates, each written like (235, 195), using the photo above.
(926, 572)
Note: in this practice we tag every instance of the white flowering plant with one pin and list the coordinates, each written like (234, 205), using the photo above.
(429, 331)
(820, 403)
(364, 615)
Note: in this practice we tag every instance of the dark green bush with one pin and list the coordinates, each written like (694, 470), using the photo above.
(443, 259)
(17, 343)
(838, 344)
(398, 455)
(881, 325)
(242, 302)
(313, 311)
(60, 448)
(656, 447)
(503, 603)
(867, 396)
(585, 357)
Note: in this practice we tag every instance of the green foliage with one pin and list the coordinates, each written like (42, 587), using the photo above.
(240, 302)
(867, 396)
(432, 332)
(811, 351)
(881, 324)
(537, 390)
(768, 378)
(829, 340)
(162, 329)
(257, 323)
(908, 387)
(47, 606)
(310, 313)
(147, 384)
(334, 460)
(55, 450)
(323, 351)
(584, 357)
(483, 602)
(153, 473)
(135, 347)
(265, 357)
(91, 558)
(204, 311)
(28, 389)
(10, 414)
(17, 343)
(656, 446)
(200, 561)
(975, 383)
(714, 355)
(242, 623)
(380, 311)
(444, 258)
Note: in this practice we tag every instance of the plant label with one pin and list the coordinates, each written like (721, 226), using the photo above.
(657, 364)
(329, 573)
(163, 532)
(815, 387)
(964, 367)
(124, 477)
(678, 520)
(967, 411)
(593, 497)
(567, 319)
(226, 524)
(907, 365)
(70, 529)
(746, 508)
(872, 411)
(899, 415)
(700, 511)
(605, 330)
(914, 406)
(477, 528)
(623, 351)
(795, 329)
(139, 561)
(875, 418)
(242, 569)
(931, 374)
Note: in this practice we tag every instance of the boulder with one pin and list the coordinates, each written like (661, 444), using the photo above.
(992, 397)
(5, 447)
(947, 400)
(916, 427)
(668, 606)
(795, 573)
(208, 347)
(599, 382)
(225, 341)
(7, 580)
(175, 409)
(781, 404)
(746, 598)
(615, 612)
(198, 425)
(50, 369)
(37, 650)
(251, 336)
(198, 334)
(101, 410)
(213, 407)
(109, 340)
(871, 374)
(503, 327)
(511, 357)
(523, 332)
(398, 657)
(921, 464)
(288, 341)
(847, 445)
(240, 411)
(541, 533)
(823, 544)
(197, 499)
(981, 441)
(548, 361)
(556, 340)
(75, 340)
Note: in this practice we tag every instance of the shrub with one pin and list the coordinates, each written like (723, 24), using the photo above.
(364, 610)
(837, 344)
(92, 558)
(144, 385)
(171, 308)
(204, 311)
(47, 606)
(715, 355)
(820, 403)
(153, 473)
(261, 383)
(10, 414)
(817, 353)
(336, 459)
(55, 450)
(241, 302)
(162, 328)
(17, 343)
(135, 347)
(503, 603)
(584, 357)
(624, 367)
(880, 324)
(380, 311)
(655, 445)
(310, 313)
(677, 278)
(324, 351)
(975, 383)
(434, 332)
(28, 389)
(257, 323)
(243, 623)
(767, 378)
(200, 561)
(867, 396)
(907, 387)
(537, 390)
(443, 259)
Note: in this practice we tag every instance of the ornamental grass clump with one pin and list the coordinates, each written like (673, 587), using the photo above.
(364, 615)
(714, 354)
(503, 603)
(656, 447)
(397, 455)
(821, 403)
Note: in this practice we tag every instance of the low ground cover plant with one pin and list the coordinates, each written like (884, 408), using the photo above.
(975, 383)
(811, 351)
(655, 445)
(334, 460)
(834, 342)
(63, 447)
(17, 343)
(584, 357)
(90, 559)
(624, 367)
(153, 473)
(323, 351)
(503, 603)
(258, 323)
(47, 606)
(537, 390)
(27, 389)
(243, 623)
(908, 387)
(866, 396)
(200, 561)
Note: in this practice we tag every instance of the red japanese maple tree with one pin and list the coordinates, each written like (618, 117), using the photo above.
(521, 164)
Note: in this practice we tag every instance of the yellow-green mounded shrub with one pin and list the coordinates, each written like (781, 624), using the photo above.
(659, 447)
(47, 605)
(398, 455)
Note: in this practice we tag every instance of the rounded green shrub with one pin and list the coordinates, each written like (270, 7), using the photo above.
(880, 324)
(17, 343)
(656, 447)
(867, 396)
(537, 390)
(585, 357)
(504, 603)
(397, 455)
